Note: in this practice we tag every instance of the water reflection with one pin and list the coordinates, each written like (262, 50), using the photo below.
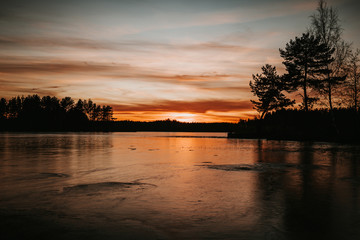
(167, 186)
(308, 203)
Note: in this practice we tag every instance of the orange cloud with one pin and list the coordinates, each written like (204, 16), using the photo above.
(18, 66)
(200, 106)
(211, 110)
(233, 116)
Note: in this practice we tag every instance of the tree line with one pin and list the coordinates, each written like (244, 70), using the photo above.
(50, 113)
(320, 67)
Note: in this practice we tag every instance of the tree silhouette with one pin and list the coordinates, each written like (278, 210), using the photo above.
(325, 26)
(95, 112)
(49, 113)
(31, 109)
(14, 107)
(88, 107)
(67, 103)
(268, 87)
(50, 104)
(79, 106)
(3, 108)
(106, 113)
(354, 77)
(306, 60)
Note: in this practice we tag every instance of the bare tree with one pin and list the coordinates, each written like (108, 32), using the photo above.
(325, 24)
(354, 75)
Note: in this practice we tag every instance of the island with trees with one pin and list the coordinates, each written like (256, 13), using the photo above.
(322, 71)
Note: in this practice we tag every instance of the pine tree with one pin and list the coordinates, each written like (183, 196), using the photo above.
(3, 108)
(268, 87)
(306, 61)
(67, 103)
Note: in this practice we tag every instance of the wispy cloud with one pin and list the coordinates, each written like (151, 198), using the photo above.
(50, 67)
(18, 66)
(23, 91)
(46, 42)
(194, 106)
(210, 110)
(93, 79)
(152, 57)
(133, 45)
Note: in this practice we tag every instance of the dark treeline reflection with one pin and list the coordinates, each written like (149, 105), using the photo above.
(318, 198)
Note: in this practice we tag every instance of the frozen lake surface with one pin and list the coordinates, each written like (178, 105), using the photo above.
(176, 186)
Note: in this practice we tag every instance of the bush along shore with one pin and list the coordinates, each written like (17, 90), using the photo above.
(338, 125)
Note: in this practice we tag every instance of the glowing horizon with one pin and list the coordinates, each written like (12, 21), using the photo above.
(152, 60)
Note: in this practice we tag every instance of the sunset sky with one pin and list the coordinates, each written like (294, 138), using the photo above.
(156, 59)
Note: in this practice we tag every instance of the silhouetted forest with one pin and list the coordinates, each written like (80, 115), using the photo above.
(321, 70)
(33, 113)
(340, 125)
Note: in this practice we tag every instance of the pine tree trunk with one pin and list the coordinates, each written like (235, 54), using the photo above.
(330, 102)
(333, 121)
(355, 90)
(355, 102)
(305, 95)
(262, 115)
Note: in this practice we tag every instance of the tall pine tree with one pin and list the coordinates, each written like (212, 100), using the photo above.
(306, 61)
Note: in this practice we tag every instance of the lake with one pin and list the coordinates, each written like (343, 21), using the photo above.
(155, 185)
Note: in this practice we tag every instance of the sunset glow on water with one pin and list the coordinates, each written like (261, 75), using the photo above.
(176, 186)
(179, 119)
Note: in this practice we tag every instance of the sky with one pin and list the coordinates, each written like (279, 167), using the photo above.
(189, 60)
